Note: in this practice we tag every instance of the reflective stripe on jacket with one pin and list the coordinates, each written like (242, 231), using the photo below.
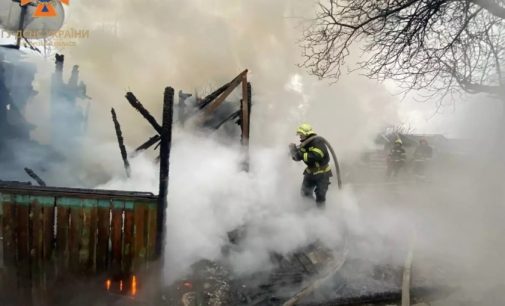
(315, 156)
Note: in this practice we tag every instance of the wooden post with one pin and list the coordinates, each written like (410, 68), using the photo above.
(120, 141)
(214, 104)
(34, 176)
(146, 145)
(166, 139)
(245, 118)
(144, 112)
(182, 106)
(213, 95)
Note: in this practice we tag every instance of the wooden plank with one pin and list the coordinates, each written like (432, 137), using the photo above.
(23, 237)
(165, 145)
(62, 235)
(102, 247)
(1, 235)
(93, 237)
(42, 212)
(85, 250)
(9, 229)
(116, 235)
(128, 239)
(48, 231)
(8, 279)
(75, 233)
(48, 239)
(233, 84)
(245, 116)
(151, 231)
(139, 254)
(244, 107)
(36, 239)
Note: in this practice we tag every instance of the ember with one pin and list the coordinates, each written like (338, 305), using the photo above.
(134, 285)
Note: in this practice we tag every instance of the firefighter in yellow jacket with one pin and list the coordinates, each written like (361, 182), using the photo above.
(314, 153)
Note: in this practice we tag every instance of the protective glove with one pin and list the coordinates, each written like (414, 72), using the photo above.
(296, 154)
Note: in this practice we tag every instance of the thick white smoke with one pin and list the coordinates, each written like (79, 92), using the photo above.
(191, 44)
(210, 195)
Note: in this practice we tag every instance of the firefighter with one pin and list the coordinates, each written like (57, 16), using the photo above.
(314, 153)
(396, 159)
(423, 150)
(422, 154)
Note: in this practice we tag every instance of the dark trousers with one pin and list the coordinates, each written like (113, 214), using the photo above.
(317, 184)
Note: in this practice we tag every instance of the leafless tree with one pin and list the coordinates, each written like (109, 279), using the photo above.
(442, 46)
(403, 128)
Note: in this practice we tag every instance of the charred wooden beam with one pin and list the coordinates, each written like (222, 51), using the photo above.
(146, 145)
(34, 176)
(211, 97)
(144, 112)
(182, 106)
(166, 140)
(245, 116)
(249, 96)
(230, 117)
(231, 86)
(14, 183)
(245, 108)
(120, 141)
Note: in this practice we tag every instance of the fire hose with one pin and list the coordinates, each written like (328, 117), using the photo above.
(333, 155)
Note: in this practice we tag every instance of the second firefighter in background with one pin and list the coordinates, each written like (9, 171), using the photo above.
(314, 153)
(396, 159)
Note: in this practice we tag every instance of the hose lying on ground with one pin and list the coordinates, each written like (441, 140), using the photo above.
(333, 155)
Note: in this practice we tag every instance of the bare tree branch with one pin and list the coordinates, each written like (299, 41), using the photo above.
(441, 46)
